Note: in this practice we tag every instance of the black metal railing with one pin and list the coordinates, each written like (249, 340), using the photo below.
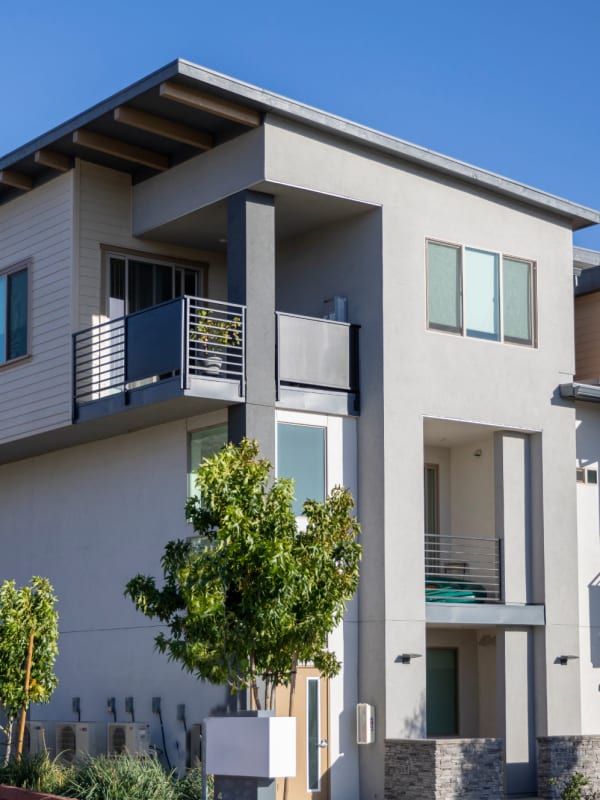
(462, 569)
(182, 339)
(216, 338)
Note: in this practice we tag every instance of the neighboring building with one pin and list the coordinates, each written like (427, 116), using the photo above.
(191, 198)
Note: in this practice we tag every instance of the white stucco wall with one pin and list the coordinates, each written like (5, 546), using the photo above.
(89, 518)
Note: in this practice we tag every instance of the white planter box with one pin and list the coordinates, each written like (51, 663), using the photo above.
(252, 746)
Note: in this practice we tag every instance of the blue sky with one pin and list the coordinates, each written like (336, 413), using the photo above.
(511, 86)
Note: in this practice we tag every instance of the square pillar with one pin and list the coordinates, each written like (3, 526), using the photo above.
(251, 282)
(515, 707)
(512, 514)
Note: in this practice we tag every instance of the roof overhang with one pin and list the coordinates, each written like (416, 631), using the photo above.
(143, 148)
(581, 391)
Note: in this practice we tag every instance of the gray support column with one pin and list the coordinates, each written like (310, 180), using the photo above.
(512, 512)
(251, 281)
(515, 710)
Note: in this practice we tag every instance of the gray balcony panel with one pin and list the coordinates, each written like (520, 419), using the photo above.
(477, 615)
(314, 352)
(153, 341)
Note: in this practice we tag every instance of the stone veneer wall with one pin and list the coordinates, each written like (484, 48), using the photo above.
(561, 756)
(444, 769)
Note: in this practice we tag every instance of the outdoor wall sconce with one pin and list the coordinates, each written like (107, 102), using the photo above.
(564, 660)
(405, 658)
(477, 453)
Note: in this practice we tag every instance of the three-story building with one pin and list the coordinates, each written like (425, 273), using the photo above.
(195, 260)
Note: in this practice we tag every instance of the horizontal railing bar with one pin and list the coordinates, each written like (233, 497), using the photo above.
(450, 537)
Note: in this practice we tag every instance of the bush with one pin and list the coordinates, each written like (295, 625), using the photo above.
(103, 778)
(573, 788)
(190, 787)
(38, 773)
(120, 778)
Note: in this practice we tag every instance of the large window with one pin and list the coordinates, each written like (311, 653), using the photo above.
(136, 283)
(481, 294)
(14, 303)
(301, 455)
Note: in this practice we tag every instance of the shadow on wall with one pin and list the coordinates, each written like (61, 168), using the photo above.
(414, 725)
(594, 600)
(559, 757)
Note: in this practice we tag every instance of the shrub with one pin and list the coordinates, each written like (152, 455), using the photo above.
(120, 778)
(573, 788)
(190, 786)
(103, 778)
(38, 773)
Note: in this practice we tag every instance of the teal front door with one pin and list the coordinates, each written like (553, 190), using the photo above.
(442, 692)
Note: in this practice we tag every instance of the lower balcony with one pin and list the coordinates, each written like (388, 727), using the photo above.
(464, 584)
(462, 569)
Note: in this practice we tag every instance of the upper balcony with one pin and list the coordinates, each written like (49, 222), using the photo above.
(187, 347)
(157, 360)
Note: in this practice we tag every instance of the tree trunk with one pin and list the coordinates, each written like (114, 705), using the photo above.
(254, 685)
(9, 735)
(21, 732)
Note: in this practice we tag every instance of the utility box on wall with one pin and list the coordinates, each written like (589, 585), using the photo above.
(251, 746)
(365, 723)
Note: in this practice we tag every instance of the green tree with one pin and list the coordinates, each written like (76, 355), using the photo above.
(27, 614)
(256, 596)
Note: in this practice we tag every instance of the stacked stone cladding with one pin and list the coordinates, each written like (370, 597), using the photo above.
(559, 757)
(444, 769)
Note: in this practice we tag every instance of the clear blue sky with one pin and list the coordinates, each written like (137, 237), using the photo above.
(510, 85)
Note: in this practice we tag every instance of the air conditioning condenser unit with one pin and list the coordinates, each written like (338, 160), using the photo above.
(36, 738)
(76, 739)
(132, 738)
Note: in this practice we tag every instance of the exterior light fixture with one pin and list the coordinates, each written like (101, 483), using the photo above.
(564, 660)
(477, 453)
(405, 658)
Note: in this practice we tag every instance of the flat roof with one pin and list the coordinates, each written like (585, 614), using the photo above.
(153, 136)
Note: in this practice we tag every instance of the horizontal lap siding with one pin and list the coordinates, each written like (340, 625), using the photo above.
(587, 337)
(35, 395)
(105, 219)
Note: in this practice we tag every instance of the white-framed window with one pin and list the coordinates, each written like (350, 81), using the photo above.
(318, 451)
(586, 475)
(313, 726)
(480, 293)
(136, 282)
(203, 443)
(302, 455)
(14, 312)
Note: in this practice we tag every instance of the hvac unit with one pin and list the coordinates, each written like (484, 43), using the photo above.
(365, 723)
(74, 739)
(35, 739)
(193, 746)
(128, 737)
